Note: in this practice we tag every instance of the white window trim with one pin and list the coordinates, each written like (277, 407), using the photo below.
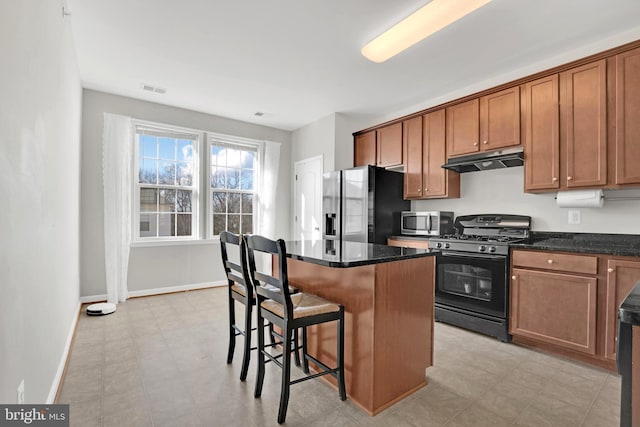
(237, 141)
(137, 240)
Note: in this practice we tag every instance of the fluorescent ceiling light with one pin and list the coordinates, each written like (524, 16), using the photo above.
(422, 23)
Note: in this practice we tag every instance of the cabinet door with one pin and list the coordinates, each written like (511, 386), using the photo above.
(463, 128)
(434, 176)
(364, 149)
(500, 119)
(585, 112)
(412, 144)
(541, 117)
(555, 308)
(627, 118)
(390, 145)
(621, 278)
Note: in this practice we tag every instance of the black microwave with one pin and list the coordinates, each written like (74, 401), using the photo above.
(434, 223)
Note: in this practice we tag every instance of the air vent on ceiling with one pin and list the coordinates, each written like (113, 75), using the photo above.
(154, 89)
(258, 114)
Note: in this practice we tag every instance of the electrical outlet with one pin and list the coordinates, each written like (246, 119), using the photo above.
(574, 216)
(21, 393)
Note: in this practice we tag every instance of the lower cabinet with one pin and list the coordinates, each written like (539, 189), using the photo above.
(555, 308)
(568, 303)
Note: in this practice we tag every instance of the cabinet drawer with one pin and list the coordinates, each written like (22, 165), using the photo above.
(584, 264)
(409, 243)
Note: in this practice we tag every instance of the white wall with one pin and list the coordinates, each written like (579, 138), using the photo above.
(502, 191)
(164, 266)
(40, 109)
(315, 139)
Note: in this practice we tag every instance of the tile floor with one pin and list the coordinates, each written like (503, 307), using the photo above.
(160, 361)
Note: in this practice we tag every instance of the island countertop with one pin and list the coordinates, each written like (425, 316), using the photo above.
(344, 254)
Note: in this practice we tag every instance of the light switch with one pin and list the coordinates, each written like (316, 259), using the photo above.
(574, 216)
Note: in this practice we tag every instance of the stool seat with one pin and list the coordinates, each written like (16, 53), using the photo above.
(304, 305)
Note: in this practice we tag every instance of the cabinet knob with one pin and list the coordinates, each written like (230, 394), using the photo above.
(475, 144)
(513, 277)
(485, 142)
(425, 190)
(610, 270)
(549, 261)
(569, 178)
(419, 190)
(554, 179)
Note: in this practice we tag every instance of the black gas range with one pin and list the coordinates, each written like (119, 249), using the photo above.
(472, 286)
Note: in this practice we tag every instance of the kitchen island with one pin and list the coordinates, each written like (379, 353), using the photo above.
(388, 296)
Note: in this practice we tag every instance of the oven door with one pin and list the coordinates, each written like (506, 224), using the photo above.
(476, 282)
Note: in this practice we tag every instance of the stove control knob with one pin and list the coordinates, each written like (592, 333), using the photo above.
(492, 249)
(446, 246)
(482, 248)
(438, 245)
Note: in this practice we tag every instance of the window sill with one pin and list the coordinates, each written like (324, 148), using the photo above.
(181, 242)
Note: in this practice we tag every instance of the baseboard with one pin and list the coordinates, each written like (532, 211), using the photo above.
(93, 298)
(157, 291)
(53, 392)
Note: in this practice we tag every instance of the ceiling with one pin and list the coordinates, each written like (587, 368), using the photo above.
(298, 61)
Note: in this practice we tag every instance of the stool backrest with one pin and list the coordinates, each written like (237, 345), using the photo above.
(270, 286)
(236, 273)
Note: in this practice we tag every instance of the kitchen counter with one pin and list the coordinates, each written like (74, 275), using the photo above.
(608, 244)
(336, 254)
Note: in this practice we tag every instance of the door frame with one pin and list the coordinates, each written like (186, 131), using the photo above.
(296, 193)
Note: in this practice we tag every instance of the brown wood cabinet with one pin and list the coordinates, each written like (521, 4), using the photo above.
(500, 119)
(364, 149)
(554, 299)
(584, 110)
(389, 145)
(541, 137)
(424, 154)
(463, 127)
(622, 275)
(627, 118)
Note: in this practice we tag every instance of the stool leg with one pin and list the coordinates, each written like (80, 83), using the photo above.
(247, 342)
(232, 331)
(286, 374)
(340, 356)
(296, 347)
(305, 362)
(260, 375)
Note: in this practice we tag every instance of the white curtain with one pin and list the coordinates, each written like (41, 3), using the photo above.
(270, 160)
(116, 179)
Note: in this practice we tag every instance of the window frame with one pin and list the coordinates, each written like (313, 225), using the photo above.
(235, 142)
(191, 134)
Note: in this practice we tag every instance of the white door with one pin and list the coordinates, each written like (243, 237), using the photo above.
(307, 215)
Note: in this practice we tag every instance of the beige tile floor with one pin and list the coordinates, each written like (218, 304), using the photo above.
(160, 361)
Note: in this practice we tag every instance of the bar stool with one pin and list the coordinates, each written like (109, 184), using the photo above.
(290, 312)
(241, 290)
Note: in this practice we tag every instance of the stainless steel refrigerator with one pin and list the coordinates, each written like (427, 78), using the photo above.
(362, 204)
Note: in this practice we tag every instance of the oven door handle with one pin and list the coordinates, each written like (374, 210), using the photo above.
(474, 255)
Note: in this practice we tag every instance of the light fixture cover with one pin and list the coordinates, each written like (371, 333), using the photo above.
(427, 20)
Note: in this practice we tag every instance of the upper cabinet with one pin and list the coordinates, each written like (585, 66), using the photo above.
(500, 119)
(364, 149)
(627, 118)
(486, 123)
(584, 110)
(425, 153)
(390, 145)
(382, 147)
(541, 134)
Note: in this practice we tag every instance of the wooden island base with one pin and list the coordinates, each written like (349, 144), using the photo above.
(389, 314)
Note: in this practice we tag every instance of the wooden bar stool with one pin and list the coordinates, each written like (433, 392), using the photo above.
(290, 312)
(240, 289)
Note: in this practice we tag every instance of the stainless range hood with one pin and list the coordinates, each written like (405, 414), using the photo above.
(499, 159)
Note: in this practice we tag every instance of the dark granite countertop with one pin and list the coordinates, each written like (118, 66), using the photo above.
(401, 237)
(333, 253)
(630, 307)
(593, 243)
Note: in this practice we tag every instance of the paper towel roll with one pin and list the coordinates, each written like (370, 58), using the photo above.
(580, 199)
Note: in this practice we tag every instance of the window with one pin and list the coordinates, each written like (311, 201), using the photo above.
(232, 183)
(166, 192)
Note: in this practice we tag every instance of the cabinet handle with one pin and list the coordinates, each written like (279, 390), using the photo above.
(554, 179)
(549, 261)
(569, 178)
(513, 277)
(610, 270)
(475, 144)
(485, 142)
